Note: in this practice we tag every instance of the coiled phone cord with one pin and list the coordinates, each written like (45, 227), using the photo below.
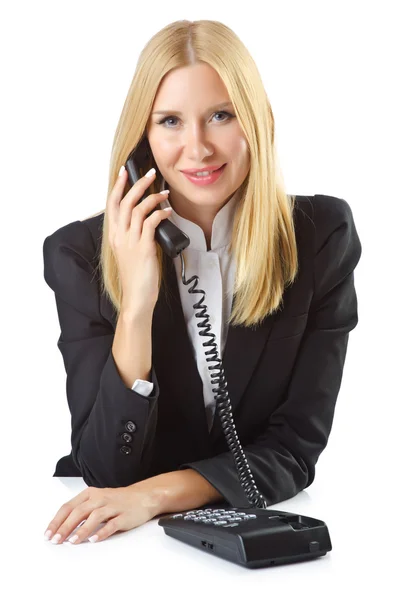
(221, 396)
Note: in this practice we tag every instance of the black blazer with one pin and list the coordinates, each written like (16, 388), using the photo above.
(283, 377)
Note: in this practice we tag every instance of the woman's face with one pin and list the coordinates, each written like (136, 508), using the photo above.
(194, 132)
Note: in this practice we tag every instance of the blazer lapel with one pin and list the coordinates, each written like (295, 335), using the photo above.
(243, 348)
(174, 361)
(242, 351)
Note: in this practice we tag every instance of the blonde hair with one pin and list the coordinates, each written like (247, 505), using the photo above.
(263, 238)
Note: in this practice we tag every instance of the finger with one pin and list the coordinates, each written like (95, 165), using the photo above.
(96, 518)
(142, 211)
(113, 201)
(152, 222)
(75, 518)
(111, 527)
(131, 199)
(64, 512)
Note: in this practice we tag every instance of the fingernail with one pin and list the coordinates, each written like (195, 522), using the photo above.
(151, 172)
(48, 534)
(165, 192)
(122, 169)
(56, 538)
(169, 208)
(93, 538)
(73, 539)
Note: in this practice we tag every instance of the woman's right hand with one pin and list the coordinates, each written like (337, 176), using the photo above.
(131, 237)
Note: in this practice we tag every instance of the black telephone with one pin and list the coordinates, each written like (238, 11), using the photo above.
(252, 537)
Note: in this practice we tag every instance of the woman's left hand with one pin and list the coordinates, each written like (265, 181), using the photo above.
(120, 509)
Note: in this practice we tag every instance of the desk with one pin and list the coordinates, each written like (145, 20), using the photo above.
(144, 562)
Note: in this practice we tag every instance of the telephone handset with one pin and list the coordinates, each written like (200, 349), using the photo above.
(167, 234)
(253, 537)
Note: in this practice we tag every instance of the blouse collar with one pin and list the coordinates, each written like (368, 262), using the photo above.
(222, 226)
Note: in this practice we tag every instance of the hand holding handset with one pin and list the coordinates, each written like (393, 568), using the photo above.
(135, 223)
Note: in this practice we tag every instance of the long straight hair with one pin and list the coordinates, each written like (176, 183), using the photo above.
(263, 239)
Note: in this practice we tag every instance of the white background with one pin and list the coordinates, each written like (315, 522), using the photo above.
(329, 72)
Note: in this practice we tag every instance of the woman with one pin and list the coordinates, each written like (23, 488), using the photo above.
(277, 271)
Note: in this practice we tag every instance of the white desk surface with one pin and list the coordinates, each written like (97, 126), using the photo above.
(146, 562)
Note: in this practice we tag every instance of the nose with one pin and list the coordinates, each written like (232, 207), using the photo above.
(197, 143)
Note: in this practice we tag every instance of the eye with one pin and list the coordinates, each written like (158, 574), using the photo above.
(223, 112)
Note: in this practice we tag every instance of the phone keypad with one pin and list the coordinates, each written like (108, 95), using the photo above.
(212, 516)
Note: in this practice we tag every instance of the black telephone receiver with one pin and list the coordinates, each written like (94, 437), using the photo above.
(167, 234)
(252, 537)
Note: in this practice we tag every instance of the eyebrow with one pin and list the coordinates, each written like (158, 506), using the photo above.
(175, 112)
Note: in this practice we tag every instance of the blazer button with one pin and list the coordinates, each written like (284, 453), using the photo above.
(125, 450)
(130, 426)
(126, 437)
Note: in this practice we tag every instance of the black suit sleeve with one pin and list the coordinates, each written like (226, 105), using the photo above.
(283, 458)
(100, 403)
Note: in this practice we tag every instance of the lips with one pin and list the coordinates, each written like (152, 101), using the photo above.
(200, 170)
(205, 180)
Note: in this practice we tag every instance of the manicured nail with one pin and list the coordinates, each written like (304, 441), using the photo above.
(165, 192)
(122, 169)
(48, 534)
(169, 208)
(56, 538)
(73, 539)
(151, 172)
(93, 538)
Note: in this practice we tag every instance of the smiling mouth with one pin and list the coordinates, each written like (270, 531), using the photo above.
(193, 173)
(204, 180)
